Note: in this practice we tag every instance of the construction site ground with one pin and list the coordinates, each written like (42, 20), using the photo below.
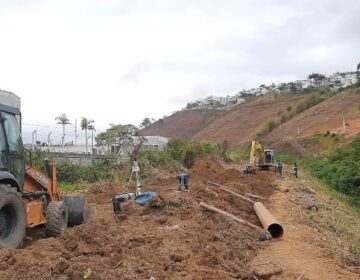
(172, 237)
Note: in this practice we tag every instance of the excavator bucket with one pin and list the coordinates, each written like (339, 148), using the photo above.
(79, 211)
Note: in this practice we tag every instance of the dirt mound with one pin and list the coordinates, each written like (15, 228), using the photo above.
(206, 168)
(102, 192)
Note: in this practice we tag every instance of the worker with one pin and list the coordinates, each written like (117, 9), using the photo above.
(295, 170)
(136, 170)
(280, 168)
(183, 181)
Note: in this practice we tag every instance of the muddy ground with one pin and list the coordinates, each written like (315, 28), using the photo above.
(170, 238)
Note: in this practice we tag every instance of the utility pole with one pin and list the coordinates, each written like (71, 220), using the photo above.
(34, 139)
(92, 141)
(344, 124)
(76, 135)
(298, 131)
(49, 140)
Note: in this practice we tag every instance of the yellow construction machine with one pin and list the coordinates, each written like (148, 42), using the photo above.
(260, 158)
(29, 197)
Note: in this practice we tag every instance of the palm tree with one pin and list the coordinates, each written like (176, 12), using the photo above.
(92, 128)
(86, 125)
(63, 120)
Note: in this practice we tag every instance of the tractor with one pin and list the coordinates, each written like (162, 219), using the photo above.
(29, 197)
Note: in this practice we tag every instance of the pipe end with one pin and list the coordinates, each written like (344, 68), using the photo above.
(276, 230)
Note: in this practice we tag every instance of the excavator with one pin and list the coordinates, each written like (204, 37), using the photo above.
(260, 158)
(29, 197)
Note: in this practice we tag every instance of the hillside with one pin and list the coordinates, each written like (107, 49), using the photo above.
(326, 116)
(243, 122)
(183, 124)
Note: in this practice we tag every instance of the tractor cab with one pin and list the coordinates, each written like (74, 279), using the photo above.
(269, 157)
(12, 161)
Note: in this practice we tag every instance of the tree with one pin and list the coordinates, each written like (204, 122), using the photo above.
(63, 120)
(316, 76)
(86, 125)
(146, 122)
(127, 137)
(292, 86)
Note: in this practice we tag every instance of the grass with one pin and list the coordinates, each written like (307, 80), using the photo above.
(268, 99)
(71, 187)
(287, 158)
(336, 219)
(238, 154)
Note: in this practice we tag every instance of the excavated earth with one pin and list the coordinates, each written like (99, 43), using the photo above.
(171, 237)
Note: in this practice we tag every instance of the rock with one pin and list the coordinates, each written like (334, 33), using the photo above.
(176, 257)
(264, 236)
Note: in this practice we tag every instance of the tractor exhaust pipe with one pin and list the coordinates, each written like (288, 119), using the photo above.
(268, 221)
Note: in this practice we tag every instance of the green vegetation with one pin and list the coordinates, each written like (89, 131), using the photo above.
(238, 153)
(187, 152)
(69, 174)
(340, 170)
(311, 101)
(182, 153)
(71, 187)
(72, 174)
(178, 155)
(287, 158)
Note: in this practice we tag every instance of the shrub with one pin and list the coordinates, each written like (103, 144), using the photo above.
(312, 100)
(271, 125)
(341, 171)
(186, 151)
(210, 148)
(284, 118)
(238, 153)
(71, 173)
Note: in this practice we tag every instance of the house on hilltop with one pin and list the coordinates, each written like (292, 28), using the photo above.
(342, 80)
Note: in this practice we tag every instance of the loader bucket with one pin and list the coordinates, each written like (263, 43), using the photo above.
(79, 210)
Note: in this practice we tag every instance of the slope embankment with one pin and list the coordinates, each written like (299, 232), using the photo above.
(245, 122)
(183, 124)
(323, 117)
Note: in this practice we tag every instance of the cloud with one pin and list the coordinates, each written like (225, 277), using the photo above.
(120, 61)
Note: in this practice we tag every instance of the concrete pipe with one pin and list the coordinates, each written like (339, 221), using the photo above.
(268, 221)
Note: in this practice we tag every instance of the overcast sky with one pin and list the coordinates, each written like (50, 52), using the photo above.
(120, 61)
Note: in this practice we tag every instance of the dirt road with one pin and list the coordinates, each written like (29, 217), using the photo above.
(303, 252)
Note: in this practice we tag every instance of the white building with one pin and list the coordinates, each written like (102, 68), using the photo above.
(342, 80)
(150, 143)
(233, 100)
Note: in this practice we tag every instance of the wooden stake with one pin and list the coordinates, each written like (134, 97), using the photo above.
(254, 196)
(231, 216)
(225, 189)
